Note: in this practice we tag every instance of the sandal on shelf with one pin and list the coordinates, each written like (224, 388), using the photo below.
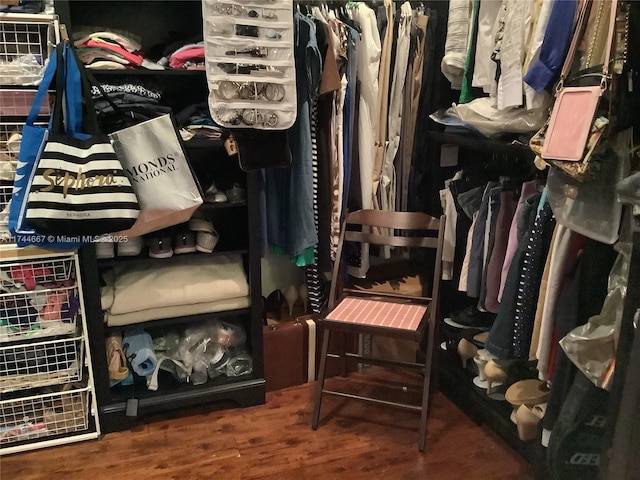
(117, 361)
(527, 419)
(527, 392)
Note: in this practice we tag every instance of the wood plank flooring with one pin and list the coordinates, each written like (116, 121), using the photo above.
(275, 441)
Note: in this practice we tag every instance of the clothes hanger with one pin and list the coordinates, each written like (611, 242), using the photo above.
(344, 18)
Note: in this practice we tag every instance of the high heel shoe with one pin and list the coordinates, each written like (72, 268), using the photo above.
(273, 305)
(527, 392)
(480, 363)
(466, 350)
(527, 418)
(303, 293)
(494, 374)
(291, 295)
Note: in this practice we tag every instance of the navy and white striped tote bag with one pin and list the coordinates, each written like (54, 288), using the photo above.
(79, 186)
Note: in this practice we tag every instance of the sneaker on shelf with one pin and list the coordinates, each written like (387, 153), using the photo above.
(206, 241)
(199, 222)
(206, 235)
(213, 195)
(105, 250)
(160, 247)
(470, 317)
(184, 242)
(131, 248)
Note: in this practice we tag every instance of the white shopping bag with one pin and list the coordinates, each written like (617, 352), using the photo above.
(157, 166)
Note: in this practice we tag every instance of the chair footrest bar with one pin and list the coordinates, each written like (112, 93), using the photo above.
(383, 361)
(378, 401)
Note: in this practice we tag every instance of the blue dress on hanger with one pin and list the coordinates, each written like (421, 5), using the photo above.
(290, 225)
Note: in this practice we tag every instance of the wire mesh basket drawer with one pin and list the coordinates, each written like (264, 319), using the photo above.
(5, 196)
(10, 138)
(44, 415)
(40, 364)
(17, 103)
(25, 45)
(41, 313)
(42, 299)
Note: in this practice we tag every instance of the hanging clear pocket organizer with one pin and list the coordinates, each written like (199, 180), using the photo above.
(250, 63)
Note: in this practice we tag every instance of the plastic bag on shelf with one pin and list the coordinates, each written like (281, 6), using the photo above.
(489, 121)
(591, 208)
(216, 359)
(592, 346)
(229, 334)
(240, 364)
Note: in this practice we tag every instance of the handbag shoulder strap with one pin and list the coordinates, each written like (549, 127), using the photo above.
(612, 28)
(90, 81)
(568, 61)
(57, 117)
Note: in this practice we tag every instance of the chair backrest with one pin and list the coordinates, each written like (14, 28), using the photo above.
(397, 229)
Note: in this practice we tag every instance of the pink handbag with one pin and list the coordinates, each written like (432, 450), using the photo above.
(574, 110)
(570, 123)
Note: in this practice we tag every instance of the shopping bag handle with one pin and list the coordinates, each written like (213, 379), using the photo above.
(90, 81)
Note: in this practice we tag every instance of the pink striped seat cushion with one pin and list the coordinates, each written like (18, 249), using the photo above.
(376, 313)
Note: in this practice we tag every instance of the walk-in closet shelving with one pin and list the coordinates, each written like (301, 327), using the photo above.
(156, 24)
(492, 158)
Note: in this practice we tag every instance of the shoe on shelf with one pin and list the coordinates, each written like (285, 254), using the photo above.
(237, 193)
(527, 418)
(529, 392)
(466, 350)
(206, 241)
(160, 247)
(117, 361)
(273, 304)
(184, 242)
(291, 296)
(494, 374)
(131, 248)
(213, 195)
(470, 317)
(105, 250)
(206, 236)
(199, 222)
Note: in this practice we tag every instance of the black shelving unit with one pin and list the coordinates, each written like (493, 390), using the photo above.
(457, 384)
(242, 391)
(185, 319)
(489, 159)
(157, 24)
(145, 72)
(481, 144)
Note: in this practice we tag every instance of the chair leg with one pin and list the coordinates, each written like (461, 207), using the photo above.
(343, 358)
(425, 391)
(320, 384)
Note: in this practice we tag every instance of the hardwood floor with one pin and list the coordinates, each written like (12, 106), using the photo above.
(275, 441)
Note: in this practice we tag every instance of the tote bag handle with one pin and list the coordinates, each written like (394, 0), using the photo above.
(50, 70)
(77, 93)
